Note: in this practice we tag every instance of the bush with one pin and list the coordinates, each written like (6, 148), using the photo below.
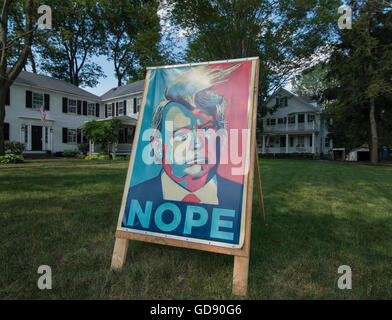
(14, 147)
(83, 147)
(11, 158)
(103, 157)
(119, 158)
(69, 153)
(80, 156)
(91, 158)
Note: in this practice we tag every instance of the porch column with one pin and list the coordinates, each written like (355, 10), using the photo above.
(287, 143)
(313, 142)
(263, 151)
(296, 121)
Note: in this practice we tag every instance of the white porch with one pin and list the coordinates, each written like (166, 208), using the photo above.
(289, 143)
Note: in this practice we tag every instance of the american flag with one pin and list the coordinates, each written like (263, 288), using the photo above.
(268, 142)
(43, 114)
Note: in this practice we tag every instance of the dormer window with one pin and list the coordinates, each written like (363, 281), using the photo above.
(281, 102)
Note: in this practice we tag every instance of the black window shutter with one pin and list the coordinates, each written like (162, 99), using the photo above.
(97, 110)
(125, 107)
(6, 131)
(29, 99)
(134, 105)
(79, 136)
(65, 135)
(116, 108)
(285, 102)
(7, 101)
(277, 101)
(85, 108)
(79, 107)
(47, 101)
(65, 105)
(113, 109)
(106, 110)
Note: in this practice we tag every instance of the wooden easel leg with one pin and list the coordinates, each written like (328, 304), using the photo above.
(259, 190)
(240, 276)
(119, 254)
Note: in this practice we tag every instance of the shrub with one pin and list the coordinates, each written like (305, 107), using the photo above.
(14, 147)
(103, 157)
(69, 153)
(119, 158)
(11, 158)
(83, 147)
(91, 158)
(80, 156)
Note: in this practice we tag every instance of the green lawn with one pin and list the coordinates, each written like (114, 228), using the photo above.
(320, 215)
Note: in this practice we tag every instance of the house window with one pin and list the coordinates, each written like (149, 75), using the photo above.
(268, 122)
(327, 142)
(273, 122)
(72, 136)
(291, 119)
(109, 110)
(138, 103)
(301, 118)
(281, 102)
(72, 106)
(91, 109)
(38, 100)
(282, 120)
(291, 142)
(310, 141)
(311, 117)
(121, 108)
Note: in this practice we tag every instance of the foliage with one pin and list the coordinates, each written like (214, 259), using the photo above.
(104, 157)
(72, 43)
(91, 158)
(80, 156)
(11, 158)
(281, 33)
(359, 80)
(83, 147)
(14, 147)
(131, 29)
(120, 158)
(17, 29)
(69, 153)
(311, 81)
(102, 132)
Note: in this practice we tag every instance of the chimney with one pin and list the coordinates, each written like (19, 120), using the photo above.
(299, 94)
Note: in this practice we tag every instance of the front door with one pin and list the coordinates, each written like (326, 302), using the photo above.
(36, 141)
(283, 142)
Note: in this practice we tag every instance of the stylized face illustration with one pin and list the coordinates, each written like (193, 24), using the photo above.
(186, 135)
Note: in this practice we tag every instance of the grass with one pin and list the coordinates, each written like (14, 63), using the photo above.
(320, 215)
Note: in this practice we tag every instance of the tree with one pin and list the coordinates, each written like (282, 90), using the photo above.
(311, 82)
(11, 38)
(281, 33)
(74, 40)
(103, 133)
(131, 29)
(361, 66)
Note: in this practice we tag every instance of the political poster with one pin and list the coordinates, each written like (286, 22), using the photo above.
(188, 172)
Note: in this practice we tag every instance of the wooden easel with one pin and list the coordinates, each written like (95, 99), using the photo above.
(241, 255)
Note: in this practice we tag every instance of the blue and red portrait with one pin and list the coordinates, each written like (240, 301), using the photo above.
(191, 153)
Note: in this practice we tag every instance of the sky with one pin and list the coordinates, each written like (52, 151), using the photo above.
(105, 84)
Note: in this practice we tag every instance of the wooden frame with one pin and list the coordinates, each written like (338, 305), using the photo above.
(241, 255)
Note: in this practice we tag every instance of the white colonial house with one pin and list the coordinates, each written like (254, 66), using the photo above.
(295, 127)
(67, 108)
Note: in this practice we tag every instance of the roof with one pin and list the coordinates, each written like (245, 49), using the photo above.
(45, 82)
(126, 90)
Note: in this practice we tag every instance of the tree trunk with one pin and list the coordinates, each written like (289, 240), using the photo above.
(3, 95)
(373, 133)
